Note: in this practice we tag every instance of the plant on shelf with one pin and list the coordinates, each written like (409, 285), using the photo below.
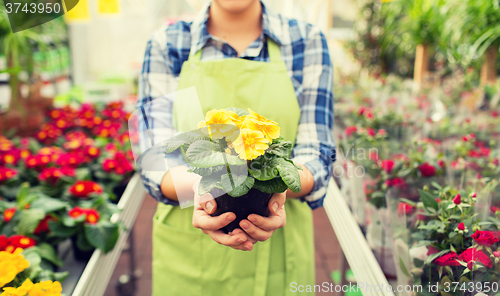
(452, 245)
(474, 24)
(242, 160)
(418, 25)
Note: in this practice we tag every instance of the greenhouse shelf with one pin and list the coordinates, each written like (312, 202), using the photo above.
(354, 244)
(92, 278)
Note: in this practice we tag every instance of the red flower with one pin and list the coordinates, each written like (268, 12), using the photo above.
(11, 157)
(494, 209)
(484, 238)
(3, 242)
(473, 255)
(461, 226)
(369, 186)
(8, 214)
(457, 199)
(448, 259)
(6, 174)
(370, 131)
(21, 241)
(427, 170)
(350, 130)
(52, 175)
(84, 188)
(109, 164)
(92, 216)
(396, 182)
(92, 151)
(76, 212)
(404, 208)
(43, 226)
(441, 163)
(387, 165)
(496, 254)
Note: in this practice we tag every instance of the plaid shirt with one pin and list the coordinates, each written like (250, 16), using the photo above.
(305, 53)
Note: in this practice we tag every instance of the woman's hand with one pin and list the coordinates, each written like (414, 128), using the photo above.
(206, 205)
(262, 228)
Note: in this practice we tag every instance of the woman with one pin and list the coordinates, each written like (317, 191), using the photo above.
(237, 53)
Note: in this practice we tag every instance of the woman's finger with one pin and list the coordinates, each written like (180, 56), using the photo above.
(256, 232)
(277, 201)
(250, 239)
(270, 223)
(236, 241)
(201, 219)
(206, 201)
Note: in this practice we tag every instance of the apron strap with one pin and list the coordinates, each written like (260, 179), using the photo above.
(272, 48)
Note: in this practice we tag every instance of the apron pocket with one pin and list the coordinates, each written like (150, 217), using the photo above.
(177, 259)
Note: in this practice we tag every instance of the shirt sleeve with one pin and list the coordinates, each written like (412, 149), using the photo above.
(315, 148)
(154, 116)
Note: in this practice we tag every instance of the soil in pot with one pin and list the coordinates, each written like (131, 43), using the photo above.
(254, 202)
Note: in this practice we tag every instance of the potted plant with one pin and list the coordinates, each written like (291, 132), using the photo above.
(242, 161)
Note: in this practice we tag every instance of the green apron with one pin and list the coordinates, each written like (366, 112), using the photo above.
(187, 262)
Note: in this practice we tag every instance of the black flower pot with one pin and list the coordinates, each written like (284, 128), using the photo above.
(79, 254)
(254, 202)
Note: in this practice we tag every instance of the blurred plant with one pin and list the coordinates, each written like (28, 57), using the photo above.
(475, 33)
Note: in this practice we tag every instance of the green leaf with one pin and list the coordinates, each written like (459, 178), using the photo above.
(243, 184)
(48, 204)
(31, 254)
(275, 185)
(22, 194)
(289, 174)
(29, 221)
(263, 168)
(82, 174)
(102, 235)
(208, 182)
(403, 267)
(239, 111)
(181, 139)
(82, 243)
(204, 154)
(60, 276)
(428, 200)
(57, 228)
(48, 253)
(431, 258)
(206, 171)
(282, 149)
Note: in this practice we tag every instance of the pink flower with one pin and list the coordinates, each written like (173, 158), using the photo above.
(457, 199)
(370, 131)
(461, 226)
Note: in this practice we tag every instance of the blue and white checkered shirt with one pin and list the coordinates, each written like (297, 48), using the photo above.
(305, 52)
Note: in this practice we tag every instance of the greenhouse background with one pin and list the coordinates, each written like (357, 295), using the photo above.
(413, 198)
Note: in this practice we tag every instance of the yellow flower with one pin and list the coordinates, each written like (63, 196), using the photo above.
(47, 288)
(11, 265)
(256, 122)
(219, 123)
(20, 291)
(249, 144)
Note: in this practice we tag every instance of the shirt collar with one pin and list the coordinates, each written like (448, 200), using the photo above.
(271, 27)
